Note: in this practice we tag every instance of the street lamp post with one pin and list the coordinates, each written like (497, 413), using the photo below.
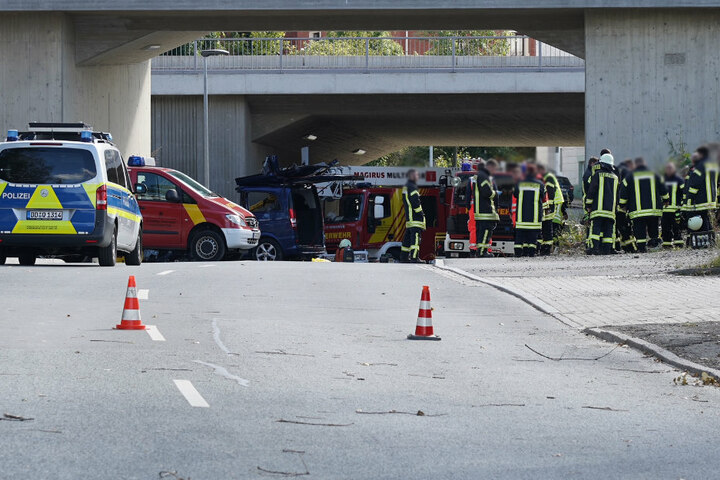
(206, 114)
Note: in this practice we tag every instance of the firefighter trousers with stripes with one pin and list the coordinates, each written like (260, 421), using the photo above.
(671, 230)
(625, 238)
(526, 240)
(483, 233)
(602, 235)
(548, 237)
(646, 231)
(411, 244)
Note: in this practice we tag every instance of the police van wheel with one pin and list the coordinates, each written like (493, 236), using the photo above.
(135, 257)
(267, 250)
(107, 256)
(26, 259)
(207, 246)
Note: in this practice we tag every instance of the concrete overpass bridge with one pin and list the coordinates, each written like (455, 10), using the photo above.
(651, 65)
(379, 104)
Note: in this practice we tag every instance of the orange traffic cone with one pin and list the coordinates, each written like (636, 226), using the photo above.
(424, 328)
(131, 310)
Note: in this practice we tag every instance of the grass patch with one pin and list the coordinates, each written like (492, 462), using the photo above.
(572, 240)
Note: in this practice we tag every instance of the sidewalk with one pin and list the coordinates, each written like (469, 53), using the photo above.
(608, 291)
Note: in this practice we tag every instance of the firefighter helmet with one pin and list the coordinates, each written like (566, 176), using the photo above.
(345, 243)
(695, 223)
(607, 158)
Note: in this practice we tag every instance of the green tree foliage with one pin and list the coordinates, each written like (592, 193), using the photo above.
(236, 46)
(469, 46)
(444, 156)
(349, 43)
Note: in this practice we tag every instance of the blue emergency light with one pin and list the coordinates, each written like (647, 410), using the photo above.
(86, 136)
(466, 167)
(13, 136)
(109, 137)
(136, 161)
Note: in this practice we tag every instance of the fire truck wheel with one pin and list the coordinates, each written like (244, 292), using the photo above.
(267, 250)
(394, 253)
(207, 246)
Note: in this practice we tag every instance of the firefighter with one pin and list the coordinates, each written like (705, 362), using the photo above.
(486, 217)
(414, 219)
(625, 240)
(601, 204)
(671, 217)
(642, 195)
(587, 174)
(555, 214)
(531, 203)
(701, 196)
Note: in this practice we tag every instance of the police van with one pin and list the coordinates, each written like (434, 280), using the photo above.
(65, 192)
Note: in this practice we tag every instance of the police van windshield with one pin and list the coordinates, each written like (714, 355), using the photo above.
(47, 165)
(192, 183)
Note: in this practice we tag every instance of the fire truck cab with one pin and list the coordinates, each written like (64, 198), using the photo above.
(371, 214)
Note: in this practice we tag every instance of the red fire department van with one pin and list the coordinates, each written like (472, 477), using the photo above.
(180, 214)
(371, 214)
(457, 240)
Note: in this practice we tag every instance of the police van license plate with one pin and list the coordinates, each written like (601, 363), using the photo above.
(44, 214)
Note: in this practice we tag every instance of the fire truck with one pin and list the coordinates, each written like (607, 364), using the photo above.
(457, 239)
(371, 213)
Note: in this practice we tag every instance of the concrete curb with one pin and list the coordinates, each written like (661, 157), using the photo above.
(531, 300)
(603, 334)
(652, 349)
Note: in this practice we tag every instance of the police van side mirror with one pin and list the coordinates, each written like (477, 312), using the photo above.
(140, 189)
(172, 196)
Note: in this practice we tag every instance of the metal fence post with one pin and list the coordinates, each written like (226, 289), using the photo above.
(454, 52)
(367, 54)
(539, 54)
(195, 53)
(282, 47)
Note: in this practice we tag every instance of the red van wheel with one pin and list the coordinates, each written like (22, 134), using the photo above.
(207, 246)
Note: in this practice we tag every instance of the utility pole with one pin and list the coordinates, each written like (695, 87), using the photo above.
(206, 113)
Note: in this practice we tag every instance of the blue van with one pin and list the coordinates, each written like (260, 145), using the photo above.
(287, 206)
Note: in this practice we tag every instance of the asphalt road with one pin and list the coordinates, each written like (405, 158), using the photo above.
(281, 359)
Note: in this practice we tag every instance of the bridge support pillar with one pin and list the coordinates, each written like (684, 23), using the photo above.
(652, 84)
(40, 81)
(177, 138)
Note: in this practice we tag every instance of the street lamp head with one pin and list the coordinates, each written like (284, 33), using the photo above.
(214, 52)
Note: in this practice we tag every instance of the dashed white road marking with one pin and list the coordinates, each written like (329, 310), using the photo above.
(154, 333)
(191, 394)
(143, 294)
(165, 272)
(207, 265)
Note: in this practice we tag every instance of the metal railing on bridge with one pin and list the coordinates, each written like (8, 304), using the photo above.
(369, 54)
